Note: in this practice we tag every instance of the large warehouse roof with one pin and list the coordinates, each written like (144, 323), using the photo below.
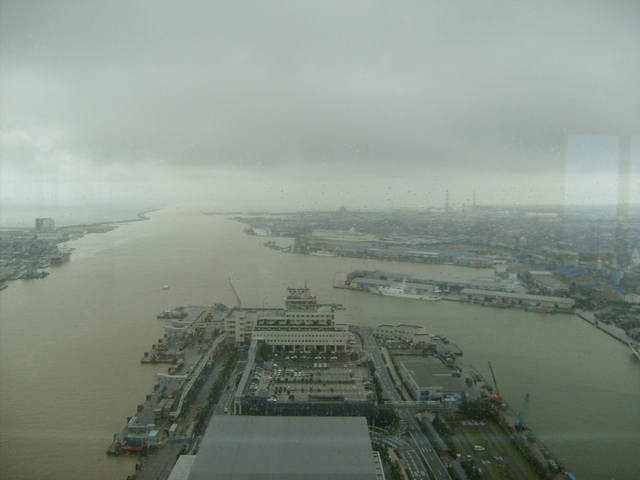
(429, 372)
(302, 448)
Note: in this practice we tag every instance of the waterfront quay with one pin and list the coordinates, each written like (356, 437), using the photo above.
(492, 294)
(189, 347)
(170, 423)
(485, 441)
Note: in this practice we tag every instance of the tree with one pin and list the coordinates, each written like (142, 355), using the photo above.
(478, 410)
(265, 351)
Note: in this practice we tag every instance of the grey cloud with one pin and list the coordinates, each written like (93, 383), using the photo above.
(447, 86)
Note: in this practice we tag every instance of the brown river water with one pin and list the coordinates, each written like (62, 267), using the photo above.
(71, 344)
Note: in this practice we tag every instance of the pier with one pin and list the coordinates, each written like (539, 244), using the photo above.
(199, 383)
(190, 346)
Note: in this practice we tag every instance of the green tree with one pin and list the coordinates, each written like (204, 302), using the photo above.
(478, 410)
(265, 351)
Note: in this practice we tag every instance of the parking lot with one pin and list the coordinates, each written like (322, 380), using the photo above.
(314, 382)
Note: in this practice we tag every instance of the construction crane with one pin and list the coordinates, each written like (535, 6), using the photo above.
(519, 424)
(496, 397)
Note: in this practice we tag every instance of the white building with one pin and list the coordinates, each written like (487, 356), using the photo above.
(404, 332)
(45, 224)
(302, 325)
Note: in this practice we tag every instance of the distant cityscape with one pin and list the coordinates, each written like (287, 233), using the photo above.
(26, 253)
(588, 254)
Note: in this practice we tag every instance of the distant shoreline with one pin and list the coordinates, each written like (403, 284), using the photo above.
(141, 216)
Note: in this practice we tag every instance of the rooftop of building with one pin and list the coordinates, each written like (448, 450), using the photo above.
(286, 448)
(522, 296)
(313, 308)
(405, 326)
(260, 312)
(430, 372)
(324, 324)
(571, 271)
(620, 290)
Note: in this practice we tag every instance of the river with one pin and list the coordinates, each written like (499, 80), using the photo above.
(71, 344)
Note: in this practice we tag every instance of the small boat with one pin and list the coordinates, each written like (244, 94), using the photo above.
(166, 287)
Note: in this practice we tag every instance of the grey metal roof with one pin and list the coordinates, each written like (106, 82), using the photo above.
(302, 448)
(522, 296)
(429, 372)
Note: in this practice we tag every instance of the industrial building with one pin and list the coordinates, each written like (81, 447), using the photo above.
(522, 300)
(546, 280)
(428, 379)
(285, 448)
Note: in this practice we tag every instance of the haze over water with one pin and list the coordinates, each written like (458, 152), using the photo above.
(71, 344)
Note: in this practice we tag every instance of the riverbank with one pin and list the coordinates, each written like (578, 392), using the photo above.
(612, 330)
(141, 216)
(27, 251)
(23, 217)
(100, 309)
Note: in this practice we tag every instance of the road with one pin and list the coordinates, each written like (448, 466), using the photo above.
(422, 448)
(482, 460)
(224, 403)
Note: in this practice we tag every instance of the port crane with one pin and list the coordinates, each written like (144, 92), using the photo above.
(519, 424)
(496, 397)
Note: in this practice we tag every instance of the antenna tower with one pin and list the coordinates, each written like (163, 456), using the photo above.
(446, 204)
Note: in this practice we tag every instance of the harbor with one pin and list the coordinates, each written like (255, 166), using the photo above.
(495, 293)
(490, 442)
(189, 347)
(571, 364)
(425, 382)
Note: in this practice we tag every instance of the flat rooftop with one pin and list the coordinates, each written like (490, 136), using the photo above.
(430, 372)
(238, 447)
(519, 296)
(316, 308)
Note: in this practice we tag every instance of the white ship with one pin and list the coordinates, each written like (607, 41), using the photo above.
(324, 253)
(403, 291)
(339, 236)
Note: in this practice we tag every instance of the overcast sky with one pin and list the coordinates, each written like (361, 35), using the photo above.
(317, 104)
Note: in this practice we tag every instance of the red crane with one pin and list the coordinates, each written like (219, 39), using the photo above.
(496, 397)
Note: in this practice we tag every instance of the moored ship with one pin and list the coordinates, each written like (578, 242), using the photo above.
(635, 348)
(403, 291)
(60, 256)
